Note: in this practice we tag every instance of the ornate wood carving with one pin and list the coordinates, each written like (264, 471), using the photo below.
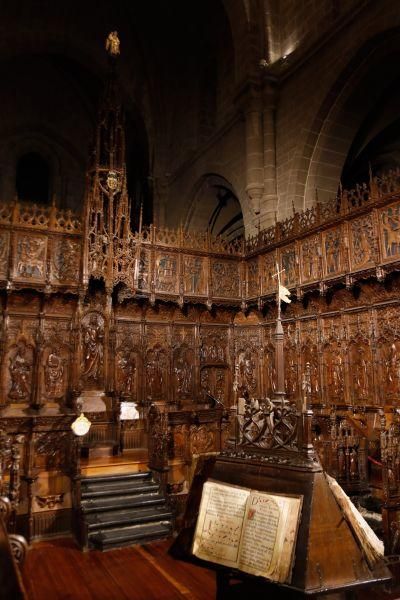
(92, 332)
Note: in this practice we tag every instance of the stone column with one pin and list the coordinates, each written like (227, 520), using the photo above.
(270, 198)
(254, 153)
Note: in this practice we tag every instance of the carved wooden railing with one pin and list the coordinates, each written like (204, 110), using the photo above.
(354, 235)
(348, 203)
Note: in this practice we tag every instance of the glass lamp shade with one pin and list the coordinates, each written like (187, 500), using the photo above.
(81, 425)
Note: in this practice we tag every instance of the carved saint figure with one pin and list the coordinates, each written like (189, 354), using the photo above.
(336, 374)
(54, 374)
(332, 249)
(20, 372)
(246, 373)
(393, 368)
(92, 349)
(183, 375)
(360, 377)
(155, 374)
(113, 43)
(127, 364)
(391, 226)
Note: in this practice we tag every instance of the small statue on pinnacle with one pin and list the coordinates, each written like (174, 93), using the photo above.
(113, 43)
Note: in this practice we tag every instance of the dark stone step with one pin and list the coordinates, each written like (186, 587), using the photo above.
(140, 475)
(91, 505)
(125, 536)
(108, 519)
(113, 488)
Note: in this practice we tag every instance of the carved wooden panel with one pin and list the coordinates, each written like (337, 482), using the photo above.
(359, 356)
(334, 252)
(184, 372)
(288, 263)
(214, 381)
(65, 263)
(310, 258)
(144, 270)
(92, 336)
(291, 361)
(310, 361)
(388, 355)
(225, 278)
(195, 277)
(202, 439)
(333, 361)
(4, 252)
(128, 363)
(389, 220)
(253, 278)
(166, 273)
(30, 253)
(157, 373)
(55, 360)
(247, 361)
(268, 270)
(363, 243)
(214, 342)
(19, 359)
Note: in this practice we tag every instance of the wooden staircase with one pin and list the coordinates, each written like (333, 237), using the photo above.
(122, 510)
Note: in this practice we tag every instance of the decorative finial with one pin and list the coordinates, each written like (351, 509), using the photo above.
(113, 43)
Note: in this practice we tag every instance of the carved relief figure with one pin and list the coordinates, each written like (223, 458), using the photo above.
(54, 375)
(332, 252)
(269, 272)
(127, 366)
(193, 275)
(359, 371)
(310, 259)
(289, 266)
(310, 377)
(363, 241)
(92, 337)
(183, 374)
(155, 373)
(166, 270)
(225, 278)
(390, 218)
(20, 369)
(66, 260)
(291, 375)
(253, 283)
(143, 271)
(247, 373)
(336, 374)
(212, 351)
(4, 242)
(30, 256)
(392, 364)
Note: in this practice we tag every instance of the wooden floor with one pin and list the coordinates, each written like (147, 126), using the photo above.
(58, 570)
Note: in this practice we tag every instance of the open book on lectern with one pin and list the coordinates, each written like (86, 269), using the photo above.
(248, 530)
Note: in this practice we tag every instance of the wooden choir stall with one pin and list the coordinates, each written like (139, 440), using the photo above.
(154, 336)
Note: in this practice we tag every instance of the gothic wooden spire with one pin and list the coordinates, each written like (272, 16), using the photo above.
(107, 204)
